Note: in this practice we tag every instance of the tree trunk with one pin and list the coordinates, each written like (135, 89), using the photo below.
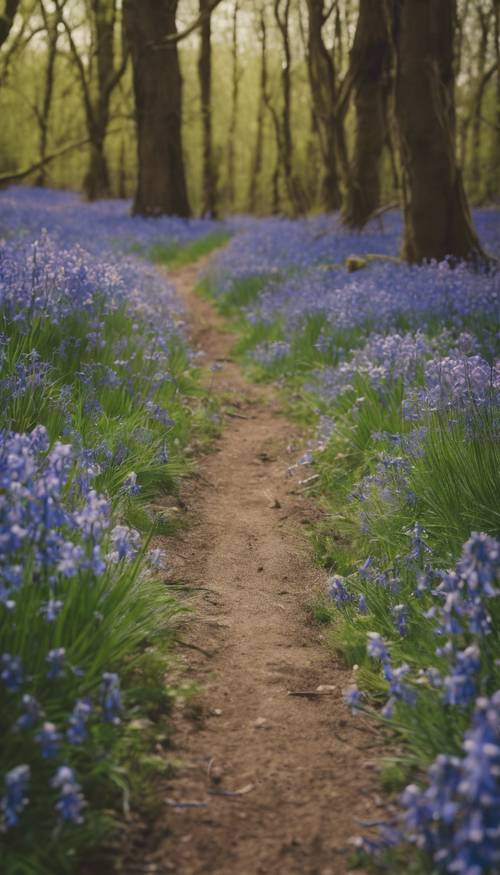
(321, 70)
(259, 139)
(437, 218)
(494, 182)
(209, 181)
(51, 25)
(292, 183)
(482, 80)
(7, 19)
(96, 183)
(370, 65)
(235, 93)
(161, 187)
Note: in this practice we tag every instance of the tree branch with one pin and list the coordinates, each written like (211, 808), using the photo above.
(182, 34)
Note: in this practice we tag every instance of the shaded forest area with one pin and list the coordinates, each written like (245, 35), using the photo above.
(282, 107)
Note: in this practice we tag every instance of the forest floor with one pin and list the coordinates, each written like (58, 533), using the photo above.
(280, 769)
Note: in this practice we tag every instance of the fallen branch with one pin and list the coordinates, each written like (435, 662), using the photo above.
(22, 174)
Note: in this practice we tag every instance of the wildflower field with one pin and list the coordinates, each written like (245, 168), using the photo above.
(396, 367)
(393, 372)
(100, 407)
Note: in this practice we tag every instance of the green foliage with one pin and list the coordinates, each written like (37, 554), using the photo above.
(176, 255)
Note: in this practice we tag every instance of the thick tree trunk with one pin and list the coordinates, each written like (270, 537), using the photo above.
(161, 187)
(7, 18)
(437, 217)
(209, 181)
(321, 69)
(370, 65)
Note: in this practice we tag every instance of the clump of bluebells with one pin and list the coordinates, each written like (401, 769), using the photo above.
(57, 542)
(97, 404)
(398, 368)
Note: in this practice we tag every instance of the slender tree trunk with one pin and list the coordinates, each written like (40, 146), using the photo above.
(7, 19)
(437, 217)
(209, 181)
(321, 70)
(370, 64)
(494, 183)
(293, 185)
(482, 80)
(161, 187)
(235, 93)
(122, 172)
(51, 24)
(96, 183)
(256, 168)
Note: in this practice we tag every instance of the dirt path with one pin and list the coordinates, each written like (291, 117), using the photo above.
(306, 766)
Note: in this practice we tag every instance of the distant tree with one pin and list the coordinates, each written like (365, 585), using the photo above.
(96, 96)
(323, 82)
(209, 175)
(437, 217)
(233, 122)
(51, 22)
(10, 10)
(257, 157)
(370, 69)
(295, 191)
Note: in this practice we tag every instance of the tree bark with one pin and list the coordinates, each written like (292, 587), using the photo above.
(161, 187)
(209, 180)
(256, 167)
(292, 183)
(7, 19)
(51, 26)
(322, 79)
(235, 94)
(437, 217)
(96, 183)
(370, 65)
(483, 77)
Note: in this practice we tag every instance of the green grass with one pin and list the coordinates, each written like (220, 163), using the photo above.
(175, 255)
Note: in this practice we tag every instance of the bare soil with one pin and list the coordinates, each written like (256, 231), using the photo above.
(273, 771)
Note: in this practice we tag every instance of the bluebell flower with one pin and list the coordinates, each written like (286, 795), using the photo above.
(353, 698)
(15, 798)
(49, 739)
(11, 671)
(77, 731)
(338, 592)
(31, 712)
(111, 698)
(56, 660)
(71, 802)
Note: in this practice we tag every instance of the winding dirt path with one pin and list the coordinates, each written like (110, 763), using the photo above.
(304, 767)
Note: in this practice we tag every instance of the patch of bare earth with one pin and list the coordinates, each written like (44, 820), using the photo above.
(274, 771)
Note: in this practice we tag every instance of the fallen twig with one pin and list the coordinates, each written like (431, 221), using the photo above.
(231, 793)
(195, 647)
(174, 804)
